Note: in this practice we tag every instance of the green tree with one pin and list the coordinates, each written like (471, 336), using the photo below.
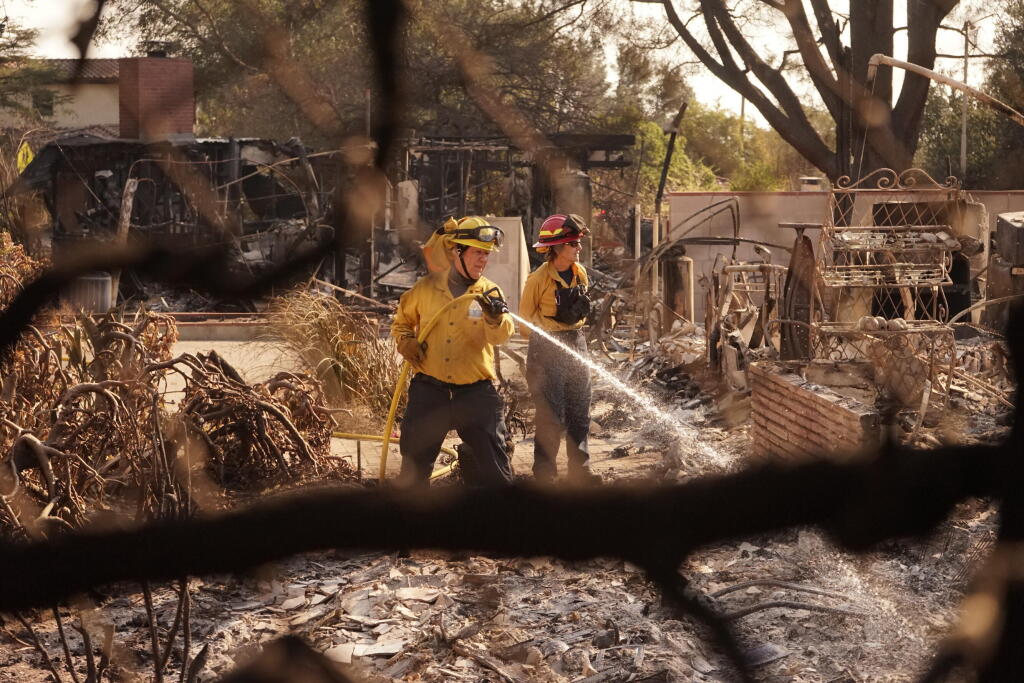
(683, 172)
(995, 144)
(22, 79)
(621, 190)
(743, 151)
(549, 68)
(652, 87)
(755, 176)
(939, 151)
(22, 86)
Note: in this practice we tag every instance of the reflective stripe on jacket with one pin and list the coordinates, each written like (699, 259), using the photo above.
(460, 347)
(538, 300)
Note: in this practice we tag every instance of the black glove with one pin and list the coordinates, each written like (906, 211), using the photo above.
(572, 304)
(493, 305)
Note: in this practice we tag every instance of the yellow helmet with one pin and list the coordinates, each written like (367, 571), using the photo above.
(473, 231)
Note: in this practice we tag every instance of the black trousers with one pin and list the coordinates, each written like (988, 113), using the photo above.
(476, 411)
(560, 385)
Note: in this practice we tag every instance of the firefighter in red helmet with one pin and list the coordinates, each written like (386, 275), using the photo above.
(555, 300)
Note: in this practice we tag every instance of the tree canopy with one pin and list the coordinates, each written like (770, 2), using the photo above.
(556, 78)
(548, 60)
(21, 77)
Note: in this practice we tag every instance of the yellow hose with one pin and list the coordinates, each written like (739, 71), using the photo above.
(390, 423)
(357, 437)
(400, 385)
(378, 437)
(436, 474)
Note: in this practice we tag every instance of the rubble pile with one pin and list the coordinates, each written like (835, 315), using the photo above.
(803, 610)
(87, 433)
(984, 378)
(675, 383)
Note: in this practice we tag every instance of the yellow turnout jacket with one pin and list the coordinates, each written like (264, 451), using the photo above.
(460, 347)
(538, 299)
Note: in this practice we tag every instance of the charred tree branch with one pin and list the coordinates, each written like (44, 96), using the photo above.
(903, 492)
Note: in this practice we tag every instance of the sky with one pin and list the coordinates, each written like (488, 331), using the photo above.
(56, 19)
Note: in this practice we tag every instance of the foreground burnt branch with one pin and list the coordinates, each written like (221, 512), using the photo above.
(898, 494)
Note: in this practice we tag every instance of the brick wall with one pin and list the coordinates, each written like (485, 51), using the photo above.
(156, 97)
(792, 420)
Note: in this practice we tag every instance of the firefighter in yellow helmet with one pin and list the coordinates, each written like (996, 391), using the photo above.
(453, 386)
(555, 299)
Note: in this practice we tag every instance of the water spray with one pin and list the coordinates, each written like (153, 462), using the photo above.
(681, 431)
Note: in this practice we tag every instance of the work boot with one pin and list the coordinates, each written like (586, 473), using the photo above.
(543, 479)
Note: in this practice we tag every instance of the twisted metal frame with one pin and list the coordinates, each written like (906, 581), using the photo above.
(888, 244)
(887, 254)
(903, 360)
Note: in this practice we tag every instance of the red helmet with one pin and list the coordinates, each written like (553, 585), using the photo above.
(559, 229)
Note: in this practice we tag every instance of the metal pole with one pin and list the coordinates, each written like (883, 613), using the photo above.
(673, 131)
(984, 98)
(963, 122)
(656, 228)
(655, 241)
(636, 232)
(368, 128)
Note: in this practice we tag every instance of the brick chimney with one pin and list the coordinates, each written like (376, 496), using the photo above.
(156, 97)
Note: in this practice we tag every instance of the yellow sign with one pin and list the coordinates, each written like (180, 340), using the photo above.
(25, 156)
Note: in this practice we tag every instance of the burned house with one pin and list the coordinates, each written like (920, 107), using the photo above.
(444, 176)
(268, 199)
(147, 177)
(264, 199)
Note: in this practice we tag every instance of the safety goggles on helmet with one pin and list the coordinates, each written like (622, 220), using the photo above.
(488, 234)
(571, 226)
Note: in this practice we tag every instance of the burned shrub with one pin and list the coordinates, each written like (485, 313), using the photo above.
(340, 346)
(256, 435)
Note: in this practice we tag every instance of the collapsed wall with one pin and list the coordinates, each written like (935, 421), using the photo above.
(795, 418)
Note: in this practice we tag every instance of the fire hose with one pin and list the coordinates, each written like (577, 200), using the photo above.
(444, 471)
